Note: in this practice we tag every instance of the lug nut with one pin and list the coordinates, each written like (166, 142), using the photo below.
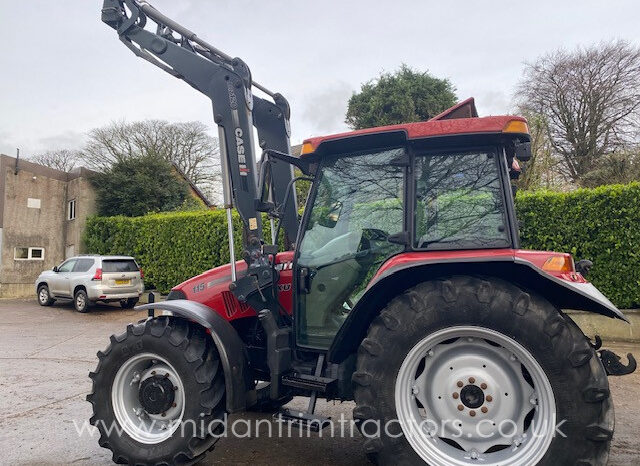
(455, 395)
(472, 380)
(484, 409)
(460, 384)
(472, 413)
(489, 398)
(474, 455)
(460, 407)
(483, 386)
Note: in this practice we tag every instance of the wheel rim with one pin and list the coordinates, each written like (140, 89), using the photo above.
(81, 302)
(43, 295)
(141, 402)
(471, 395)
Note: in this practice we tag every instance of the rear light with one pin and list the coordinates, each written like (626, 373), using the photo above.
(559, 264)
(97, 275)
(141, 273)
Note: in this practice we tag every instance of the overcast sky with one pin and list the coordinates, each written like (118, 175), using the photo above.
(63, 72)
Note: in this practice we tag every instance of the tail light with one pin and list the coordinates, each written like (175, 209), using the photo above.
(141, 273)
(97, 275)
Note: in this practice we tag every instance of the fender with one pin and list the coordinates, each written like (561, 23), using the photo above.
(237, 375)
(396, 279)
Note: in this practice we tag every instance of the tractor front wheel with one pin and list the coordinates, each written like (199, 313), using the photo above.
(158, 394)
(485, 373)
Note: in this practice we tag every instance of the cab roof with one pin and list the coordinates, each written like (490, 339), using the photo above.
(460, 119)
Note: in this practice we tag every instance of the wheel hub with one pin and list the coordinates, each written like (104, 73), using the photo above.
(156, 394)
(472, 396)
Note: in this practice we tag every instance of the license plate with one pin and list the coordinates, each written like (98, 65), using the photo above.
(123, 282)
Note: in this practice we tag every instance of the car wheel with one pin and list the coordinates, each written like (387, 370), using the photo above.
(81, 301)
(128, 303)
(44, 297)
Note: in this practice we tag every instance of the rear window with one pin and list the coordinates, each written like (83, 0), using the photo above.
(119, 265)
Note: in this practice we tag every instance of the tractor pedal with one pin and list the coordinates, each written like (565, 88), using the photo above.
(309, 382)
(303, 420)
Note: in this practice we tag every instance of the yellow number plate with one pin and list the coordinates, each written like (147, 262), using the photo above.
(123, 282)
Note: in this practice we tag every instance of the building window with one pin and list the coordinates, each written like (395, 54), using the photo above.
(23, 254)
(71, 209)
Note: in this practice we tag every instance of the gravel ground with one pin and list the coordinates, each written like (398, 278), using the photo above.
(46, 354)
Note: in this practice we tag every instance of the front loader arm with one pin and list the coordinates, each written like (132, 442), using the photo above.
(227, 82)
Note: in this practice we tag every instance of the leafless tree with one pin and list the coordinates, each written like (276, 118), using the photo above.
(590, 99)
(60, 159)
(186, 144)
(541, 171)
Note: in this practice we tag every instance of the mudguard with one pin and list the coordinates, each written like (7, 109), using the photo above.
(237, 375)
(394, 280)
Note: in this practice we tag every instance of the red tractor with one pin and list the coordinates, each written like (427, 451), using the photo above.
(403, 287)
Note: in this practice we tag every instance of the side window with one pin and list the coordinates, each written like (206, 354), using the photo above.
(459, 203)
(83, 265)
(67, 266)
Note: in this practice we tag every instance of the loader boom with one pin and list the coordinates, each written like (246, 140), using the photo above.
(227, 82)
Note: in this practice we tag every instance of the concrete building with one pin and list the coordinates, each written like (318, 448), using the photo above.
(42, 217)
(43, 214)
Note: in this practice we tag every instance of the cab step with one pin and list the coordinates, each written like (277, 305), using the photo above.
(314, 383)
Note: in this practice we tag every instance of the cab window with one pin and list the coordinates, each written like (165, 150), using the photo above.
(459, 202)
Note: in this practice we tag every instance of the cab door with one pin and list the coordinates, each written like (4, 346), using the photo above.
(358, 202)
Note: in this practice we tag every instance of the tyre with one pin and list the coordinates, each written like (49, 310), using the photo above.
(128, 303)
(81, 301)
(161, 385)
(485, 373)
(44, 297)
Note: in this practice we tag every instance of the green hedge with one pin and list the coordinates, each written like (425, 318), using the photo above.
(601, 224)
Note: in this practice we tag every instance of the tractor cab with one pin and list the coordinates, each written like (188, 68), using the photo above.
(440, 185)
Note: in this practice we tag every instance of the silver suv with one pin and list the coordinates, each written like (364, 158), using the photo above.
(88, 279)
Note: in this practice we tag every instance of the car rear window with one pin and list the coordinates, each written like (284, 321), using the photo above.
(119, 265)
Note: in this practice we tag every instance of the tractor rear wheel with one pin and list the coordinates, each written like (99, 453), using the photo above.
(158, 394)
(484, 373)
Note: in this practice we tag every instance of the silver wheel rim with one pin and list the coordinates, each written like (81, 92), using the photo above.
(44, 295)
(80, 301)
(508, 418)
(140, 425)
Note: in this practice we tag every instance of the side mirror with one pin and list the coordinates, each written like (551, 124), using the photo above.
(330, 217)
(55, 268)
(523, 151)
(263, 204)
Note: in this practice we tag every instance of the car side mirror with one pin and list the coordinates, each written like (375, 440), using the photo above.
(55, 268)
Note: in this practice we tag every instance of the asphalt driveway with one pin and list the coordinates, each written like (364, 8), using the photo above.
(46, 354)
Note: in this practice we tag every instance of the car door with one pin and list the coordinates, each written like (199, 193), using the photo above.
(59, 283)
